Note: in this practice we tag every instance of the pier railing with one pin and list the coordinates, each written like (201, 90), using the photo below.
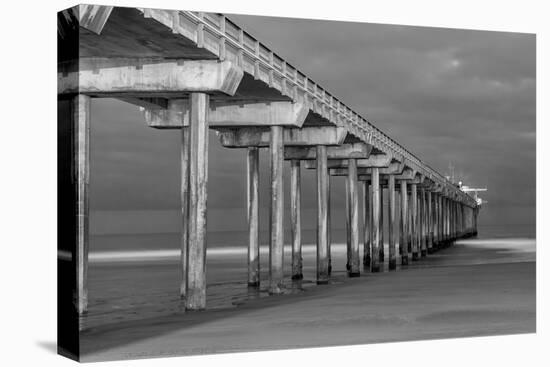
(226, 40)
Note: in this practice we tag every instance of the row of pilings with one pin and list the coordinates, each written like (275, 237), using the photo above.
(430, 217)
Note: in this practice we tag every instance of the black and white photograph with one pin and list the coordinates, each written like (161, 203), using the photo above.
(229, 181)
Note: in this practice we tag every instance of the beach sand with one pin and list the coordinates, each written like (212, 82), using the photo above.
(474, 288)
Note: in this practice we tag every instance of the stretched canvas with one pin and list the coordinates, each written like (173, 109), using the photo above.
(232, 183)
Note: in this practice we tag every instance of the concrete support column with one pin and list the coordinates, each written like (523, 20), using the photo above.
(296, 219)
(444, 219)
(329, 230)
(276, 243)
(404, 227)
(423, 223)
(355, 260)
(465, 218)
(184, 197)
(375, 219)
(476, 211)
(348, 227)
(414, 223)
(410, 232)
(382, 239)
(435, 221)
(253, 193)
(366, 225)
(446, 214)
(322, 216)
(449, 220)
(81, 119)
(430, 222)
(453, 220)
(391, 223)
(460, 219)
(440, 219)
(198, 183)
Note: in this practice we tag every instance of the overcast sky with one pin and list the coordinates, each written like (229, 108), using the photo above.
(459, 97)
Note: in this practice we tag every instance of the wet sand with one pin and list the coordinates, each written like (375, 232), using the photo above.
(474, 288)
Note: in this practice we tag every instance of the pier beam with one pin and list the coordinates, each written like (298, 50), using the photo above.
(322, 216)
(198, 183)
(354, 259)
(295, 219)
(391, 222)
(404, 228)
(414, 222)
(375, 219)
(253, 191)
(276, 150)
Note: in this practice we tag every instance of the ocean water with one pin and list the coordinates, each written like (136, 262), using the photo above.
(237, 240)
(134, 277)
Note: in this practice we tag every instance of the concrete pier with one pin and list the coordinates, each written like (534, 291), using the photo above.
(253, 100)
(276, 242)
(329, 230)
(296, 219)
(422, 224)
(404, 230)
(322, 216)
(354, 258)
(414, 223)
(367, 210)
(253, 192)
(184, 197)
(430, 222)
(198, 182)
(80, 110)
(391, 223)
(376, 205)
(382, 232)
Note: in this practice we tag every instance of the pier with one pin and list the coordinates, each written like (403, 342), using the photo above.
(191, 72)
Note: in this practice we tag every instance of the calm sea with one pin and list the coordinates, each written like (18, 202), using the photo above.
(236, 239)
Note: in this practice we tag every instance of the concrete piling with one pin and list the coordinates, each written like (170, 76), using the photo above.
(366, 224)
(322, 216)
(295, 219)
(198, 182)
(376, 204)
(414, 223)
(184, 197)
(253, 191)
(403, 240)
(81, 119)
(392, 264)
(276, 242)
(354, 258)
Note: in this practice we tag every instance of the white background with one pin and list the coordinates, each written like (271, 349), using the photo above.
(28, 181)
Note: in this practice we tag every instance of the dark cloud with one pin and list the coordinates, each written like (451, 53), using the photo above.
(449, 96)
